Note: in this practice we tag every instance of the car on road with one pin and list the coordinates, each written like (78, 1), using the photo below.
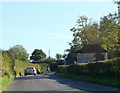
(30, 71)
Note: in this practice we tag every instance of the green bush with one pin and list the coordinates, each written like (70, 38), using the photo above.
(103, 69)
(7, 65)
(21, 65)
(12, 67)
(62, 68)
(53, 63)
(5, 83)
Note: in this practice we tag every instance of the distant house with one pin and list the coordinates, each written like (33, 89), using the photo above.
(91, 52)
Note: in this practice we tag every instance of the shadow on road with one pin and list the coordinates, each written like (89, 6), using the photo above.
(90, 88)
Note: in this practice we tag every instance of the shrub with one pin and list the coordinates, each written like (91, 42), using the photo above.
(53, 63)
(62, 68)
(103, 69)
(21, 65)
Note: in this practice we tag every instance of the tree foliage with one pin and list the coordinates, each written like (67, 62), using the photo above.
(109, 33)
(12, 64)
(7, 64)
(58, 56)
(38, 55)
(18, 52)
(105, 34)
(86, 32)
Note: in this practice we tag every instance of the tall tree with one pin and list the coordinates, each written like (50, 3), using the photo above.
(85, 32)
(110, 33)
(118, 42)
(19, 52)
(107, 34)
(58, 56)
(38, 55)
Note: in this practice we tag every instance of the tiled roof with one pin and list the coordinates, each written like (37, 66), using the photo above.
(91, 48)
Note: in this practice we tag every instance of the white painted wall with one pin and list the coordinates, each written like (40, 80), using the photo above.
(88, 57)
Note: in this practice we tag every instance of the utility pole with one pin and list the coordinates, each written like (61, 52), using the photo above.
(49, 53)
(64, 51)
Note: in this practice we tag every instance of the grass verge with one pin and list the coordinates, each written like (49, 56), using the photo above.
(5, 83)
(106, 81)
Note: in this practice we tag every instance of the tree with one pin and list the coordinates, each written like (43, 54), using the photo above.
(58, 56)
(38, 55)
(85, 32)
(7, 64)
(107, 34)
(18, 52)
(118, 49)
(110, 33)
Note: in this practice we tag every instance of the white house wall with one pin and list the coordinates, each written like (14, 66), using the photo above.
(105, 56)
(88, 57)
(85, 57)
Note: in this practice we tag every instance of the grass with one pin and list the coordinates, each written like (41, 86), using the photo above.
(0, 84)
(5, 83)
(106, 81)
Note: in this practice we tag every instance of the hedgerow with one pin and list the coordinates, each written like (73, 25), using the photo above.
(11, 67)
(103, 69)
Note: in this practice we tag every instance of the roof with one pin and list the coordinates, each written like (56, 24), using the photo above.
(91, 48)
(70, 57)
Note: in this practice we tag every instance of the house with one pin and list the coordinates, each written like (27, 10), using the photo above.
(91, 52)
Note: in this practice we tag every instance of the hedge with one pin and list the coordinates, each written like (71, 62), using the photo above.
(103, 69)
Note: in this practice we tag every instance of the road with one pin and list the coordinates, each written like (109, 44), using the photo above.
(50, 82)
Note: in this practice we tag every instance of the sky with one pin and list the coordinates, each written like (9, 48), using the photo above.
(46, 25)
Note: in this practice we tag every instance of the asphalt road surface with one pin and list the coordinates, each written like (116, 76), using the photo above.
(50, 82)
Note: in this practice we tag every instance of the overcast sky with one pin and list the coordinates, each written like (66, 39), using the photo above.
(46, 25)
